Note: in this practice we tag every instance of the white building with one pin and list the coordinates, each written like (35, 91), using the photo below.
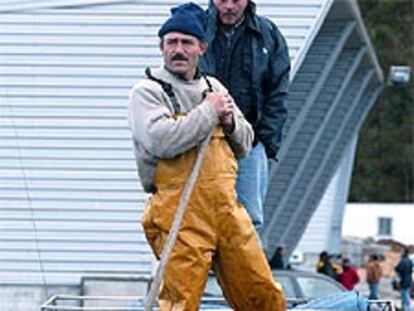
(380, 221)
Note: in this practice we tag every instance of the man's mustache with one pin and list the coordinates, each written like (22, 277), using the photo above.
(179, 56)
(230, 13)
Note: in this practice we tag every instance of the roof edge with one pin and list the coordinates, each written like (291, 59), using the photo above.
(53, 4)
(362, 29)
(320, 19)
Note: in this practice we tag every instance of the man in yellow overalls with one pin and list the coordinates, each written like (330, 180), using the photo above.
(170, 113)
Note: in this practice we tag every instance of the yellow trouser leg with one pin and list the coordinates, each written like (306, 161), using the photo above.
(241, 267)
(187, 269)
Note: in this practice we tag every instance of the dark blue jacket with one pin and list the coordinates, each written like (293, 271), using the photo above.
(405, 270)
(270, 77)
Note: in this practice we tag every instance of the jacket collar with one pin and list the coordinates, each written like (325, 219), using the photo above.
(212, 19)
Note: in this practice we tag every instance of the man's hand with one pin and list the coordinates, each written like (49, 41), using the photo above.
(228, 122)
(224, 106)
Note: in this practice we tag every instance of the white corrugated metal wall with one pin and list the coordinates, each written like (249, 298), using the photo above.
(69, 195)
(323, 232)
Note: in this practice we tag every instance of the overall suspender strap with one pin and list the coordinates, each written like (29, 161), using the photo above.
(209, 86)
(167, 88)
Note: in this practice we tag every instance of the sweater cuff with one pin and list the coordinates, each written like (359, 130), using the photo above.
(209, 111)
(235, 135)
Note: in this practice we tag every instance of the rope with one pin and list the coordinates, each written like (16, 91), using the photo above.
(29, 199)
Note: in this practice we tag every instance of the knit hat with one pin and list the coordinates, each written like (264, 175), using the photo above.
(187, 18)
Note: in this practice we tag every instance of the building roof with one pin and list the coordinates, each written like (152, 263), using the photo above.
(332, 92)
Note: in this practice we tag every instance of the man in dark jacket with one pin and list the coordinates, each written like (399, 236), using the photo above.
(325, 266)
(404, 270)
(278, 260)
(248, 54)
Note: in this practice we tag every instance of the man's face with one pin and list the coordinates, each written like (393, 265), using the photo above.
(181, 53)
(230, 11)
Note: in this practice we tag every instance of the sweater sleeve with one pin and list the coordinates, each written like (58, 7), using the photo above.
(154, 125)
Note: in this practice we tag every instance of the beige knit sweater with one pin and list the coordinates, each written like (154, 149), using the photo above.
(157, 134)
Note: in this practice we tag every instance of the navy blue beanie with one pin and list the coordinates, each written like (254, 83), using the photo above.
(187, 18)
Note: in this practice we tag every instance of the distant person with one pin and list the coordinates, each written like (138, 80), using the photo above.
(278, 260)
(374, 274)
(349, 276)
(404, 270)
(325, 266)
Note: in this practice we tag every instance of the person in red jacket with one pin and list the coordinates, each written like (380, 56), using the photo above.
(349, 276)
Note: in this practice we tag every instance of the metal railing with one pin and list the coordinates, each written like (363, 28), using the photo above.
(59, 303)
(134, 303)
(65, 303)
(85, 302)
(373, 305)
(381, 305)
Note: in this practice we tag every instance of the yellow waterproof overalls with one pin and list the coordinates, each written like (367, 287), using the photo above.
(216, 233)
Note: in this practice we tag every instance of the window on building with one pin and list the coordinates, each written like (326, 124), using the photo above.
(385, 226)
